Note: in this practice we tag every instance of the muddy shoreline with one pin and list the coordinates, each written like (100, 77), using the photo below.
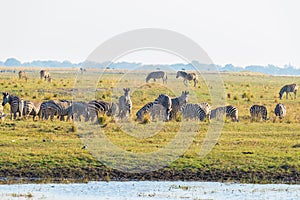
(73, 175)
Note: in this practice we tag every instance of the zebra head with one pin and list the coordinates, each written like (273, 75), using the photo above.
(126, 91)
(184, 97)
(6, 98)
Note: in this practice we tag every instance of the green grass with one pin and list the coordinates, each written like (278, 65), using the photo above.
(245, 151)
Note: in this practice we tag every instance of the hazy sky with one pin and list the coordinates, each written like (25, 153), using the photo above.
(231, 31)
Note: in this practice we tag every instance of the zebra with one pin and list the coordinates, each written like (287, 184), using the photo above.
(257, 111)
(144, 110)
(287, 89)
(193, 111)
(22, 74)
(187, 77)
(230, 111)
(30, 109)
(16, 104)
(125, 104)
(95, 108)
(157, 75)
(280, 111)
(166, 102)
(44, 74)
(178, 103)
(206, 108)
(78, 109)
(50, 108)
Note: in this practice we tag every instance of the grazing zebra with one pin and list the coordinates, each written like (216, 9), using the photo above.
(44, 74)
(22, 74)
(257, 111)
(187, 77)
(230, 111)
(178, 103)
(96, 108)
(287, 89)
(157, 75)
(50, 108)
(206, 108)
(16, 104)
(30, 109)
(166, 102)
(280, 111)
(143, 111)
(78, 109)
(193, 111)
(125, 104)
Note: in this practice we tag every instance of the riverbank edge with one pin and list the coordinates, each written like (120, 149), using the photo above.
(84, 175)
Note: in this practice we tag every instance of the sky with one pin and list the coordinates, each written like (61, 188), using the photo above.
(256, 32)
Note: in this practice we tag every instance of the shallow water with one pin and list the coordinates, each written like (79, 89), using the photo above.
(150, 190)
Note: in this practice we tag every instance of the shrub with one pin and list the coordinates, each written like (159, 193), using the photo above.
(235, 98)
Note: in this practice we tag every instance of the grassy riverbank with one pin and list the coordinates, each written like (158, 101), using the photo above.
(256, 152)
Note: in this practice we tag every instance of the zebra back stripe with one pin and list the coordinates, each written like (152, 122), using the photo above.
(193, 111)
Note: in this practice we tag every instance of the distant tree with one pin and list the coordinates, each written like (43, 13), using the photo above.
(12, 62)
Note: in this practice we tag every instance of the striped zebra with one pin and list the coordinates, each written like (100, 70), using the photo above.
(178, 103)
(30, 109)
(257, 111)
(96, 108)
(206, 108)
(280, 111)
(44, 74)
(16, 104)
(157, 75)
(125, 104)
(228, 111)
(51, 108)
(287, 89)
(166, 102)
(193, 111)
(22, 74)
(187, 77)
(143, 111)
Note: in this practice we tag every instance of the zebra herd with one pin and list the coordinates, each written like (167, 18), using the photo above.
(44, 74)
(65, 108)
(163, 75)
(162, 108)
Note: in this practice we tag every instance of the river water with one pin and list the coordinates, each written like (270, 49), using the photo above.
(150, 190)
